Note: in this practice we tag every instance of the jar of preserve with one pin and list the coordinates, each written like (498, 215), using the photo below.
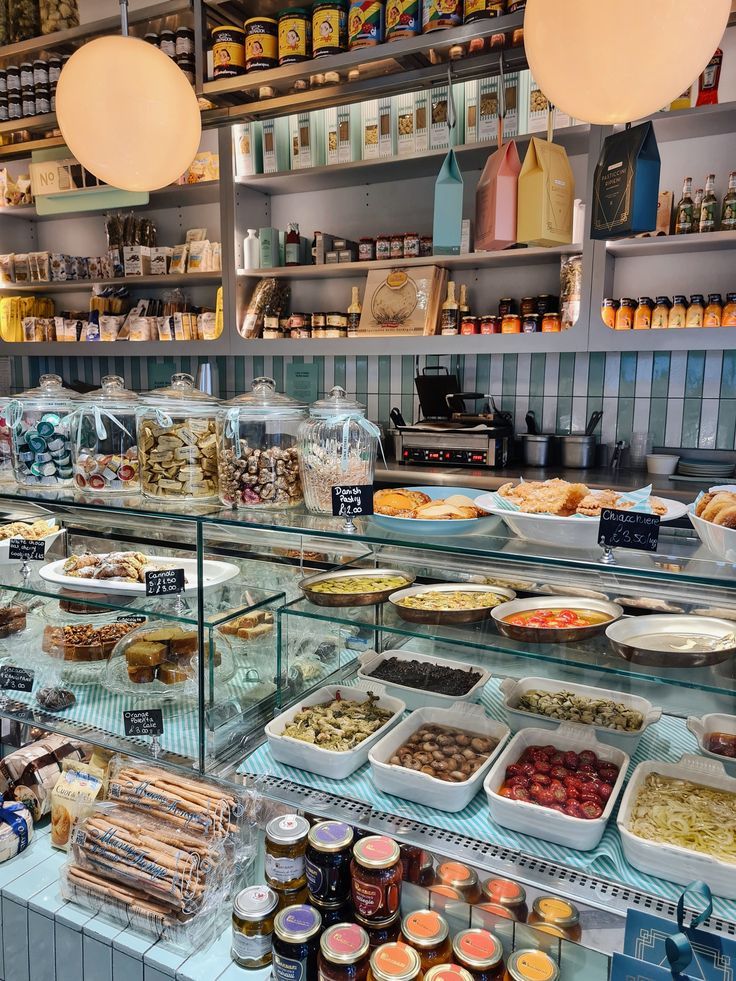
(530, 324)
(428, 933)
(332, 913)
(547, 303)
(286, 845)
(480, 953)
(678, 312)
(254, 909)
(395, 962)
(376, 872)
(643, 313)
(470, 325)
(608, 312)
(496, 909)
(295, 36)
(367, 250)
(417, 865)
(531, 965)
(448, 972)
(459, 876)
(511, 323)
(292, 897)
(490, 324)
(381, 932)
(695, 311)
(551, 323)
(397, 246)
(625, 314)
(328, 856)
(508, 894)
(661, 313)
(446, 892)
(425, 246)
(411, 245)
(558, 913)
(383, 247)
(329, 28)
(344, 953)
(506, 305)
(728, 317)
(296, 943)
(714, 311)
(528, 305)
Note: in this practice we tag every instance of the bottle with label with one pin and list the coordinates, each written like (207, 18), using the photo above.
(685, 215)
(354, 312)
(450, 313)
(698, 201)
(291, 243)
(251, 250)
(714, 311)
(709, 207)
(709, 79)
(661, 313)
(463, 301)
(695, 311)
(728, 317)
(728, 209)
(678, 312)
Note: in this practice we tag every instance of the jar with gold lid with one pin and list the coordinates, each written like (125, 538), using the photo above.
(381, 931)
(531, 965)
(445, 892)
(328, 856)
(509, 894)
(286, 845)
(448, 972)
(254, 909)
(344, 953)
(292, 897)
(480, 952)
(332, 913)
(459, 876)
(428, 933)
(376, 872)
(395, 962)
(558, 914)
(296, 943)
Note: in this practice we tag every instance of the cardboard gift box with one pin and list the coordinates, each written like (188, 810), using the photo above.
(626, 184)
(546, 196)
(402, 301)
(448, 208)
(496, 200)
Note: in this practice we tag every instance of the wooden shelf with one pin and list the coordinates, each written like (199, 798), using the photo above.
(175, 196)
(115, 349)
(134, 282)
(671, 244)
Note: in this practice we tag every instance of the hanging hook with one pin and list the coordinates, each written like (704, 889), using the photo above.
(501, 100)
(451, 110)
(124, 17)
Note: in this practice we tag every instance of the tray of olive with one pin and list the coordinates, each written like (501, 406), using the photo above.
(354, 587)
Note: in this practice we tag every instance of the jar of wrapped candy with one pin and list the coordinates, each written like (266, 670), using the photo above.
(104, 441)
(177, 442)
(337, 446)
(258, 457)
(41, 445)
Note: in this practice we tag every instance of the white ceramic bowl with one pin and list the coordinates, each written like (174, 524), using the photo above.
(719, 540)
(714, 722)
(416, 698)
(662, 463)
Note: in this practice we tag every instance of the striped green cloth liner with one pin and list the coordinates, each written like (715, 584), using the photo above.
(666, 740)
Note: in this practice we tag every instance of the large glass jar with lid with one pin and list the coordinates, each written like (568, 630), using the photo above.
(177, 442)
(258, 456)
(104, 440)
(6, 452)
(337, 446)
(39, 427)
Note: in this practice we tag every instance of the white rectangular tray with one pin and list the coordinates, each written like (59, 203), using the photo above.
(520, 718)
(418, 697)
(673, 862)
(215, 573)
(421, 787)
(327, 762)
(543, 822)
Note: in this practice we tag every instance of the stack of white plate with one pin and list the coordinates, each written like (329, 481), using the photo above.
(705, 469)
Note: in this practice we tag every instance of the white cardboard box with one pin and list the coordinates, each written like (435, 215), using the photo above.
(405, 125)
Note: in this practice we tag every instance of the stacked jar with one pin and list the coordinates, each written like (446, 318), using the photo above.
(285, 861)
(41, 444)
(104, 440)
(328, 857)
(6, 446)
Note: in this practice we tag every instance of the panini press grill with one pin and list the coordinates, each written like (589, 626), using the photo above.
(447, 434)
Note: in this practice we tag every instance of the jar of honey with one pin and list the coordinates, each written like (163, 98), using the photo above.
(531, 965)
(511, 323)
(427, 932)
(480, 952)
(508, 894)
(459, 876)
(381, 932)
(608, 312)
(395, 962)
(376, 872)
(448, 972)
(558, 913)
(643, 315)
(254, 909)
(714, 311)
(625, 314)
(286, 845)
(328, 856)
(344, 953)
(661, 313)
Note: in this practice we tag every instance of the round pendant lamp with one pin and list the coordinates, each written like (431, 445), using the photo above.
(606, 64)
(127, 112)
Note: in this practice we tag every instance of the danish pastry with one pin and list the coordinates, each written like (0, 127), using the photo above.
(399, 502)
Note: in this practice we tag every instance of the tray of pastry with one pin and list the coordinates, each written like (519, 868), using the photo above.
(125, 572)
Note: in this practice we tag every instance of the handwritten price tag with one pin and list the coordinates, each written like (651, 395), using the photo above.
(22, 548)
(352, 500)
(131, 618)
(15, 679)
(164, 582)
(143, 722)
(629, 529)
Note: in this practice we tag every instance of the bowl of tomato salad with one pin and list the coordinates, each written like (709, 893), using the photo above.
(555, 619)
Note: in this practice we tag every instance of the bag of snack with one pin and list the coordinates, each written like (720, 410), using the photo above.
(73, 797)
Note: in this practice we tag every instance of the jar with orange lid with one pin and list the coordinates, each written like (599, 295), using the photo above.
(381, 932)
(395, 962)
(728, 317)
(344, 953)
(446, 892)
(511, 323)
(643, 314)
(376, 872)
(480, 952)
(625, 314)
(509, 894)
(428, 933)
(558, 913)
(459, 876)
(448, 972)
(531, 965)
(608, 312)
(496, 909)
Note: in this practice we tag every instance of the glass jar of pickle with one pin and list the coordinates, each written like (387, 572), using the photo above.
(625, 314)
(459, 876)
(428, 933)
(344, 953)
(509, 894)
(395, 962)
(531, 965)
(480, 952)
(376, 872)
(643, 314)
(286, 846)
(254, 909)
(296, 943)
(328, 856)
(661, 313)
(381, 931)
(558, 913)
(608, 312)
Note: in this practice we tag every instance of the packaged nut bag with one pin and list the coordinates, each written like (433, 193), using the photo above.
(73, 796)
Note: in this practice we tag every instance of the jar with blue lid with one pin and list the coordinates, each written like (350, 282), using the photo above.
(40, 438)
(296, 943)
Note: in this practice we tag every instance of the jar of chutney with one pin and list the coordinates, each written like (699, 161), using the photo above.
(286, 845)
(253, 915)
(328, 856)
(428, 933)
(531, 965)
(509, 894)
(296, 944)
(381, 931)
(459, 876)
(563, 916)
(481, 954)
(344, 953)
(395, 962)
(376, 872)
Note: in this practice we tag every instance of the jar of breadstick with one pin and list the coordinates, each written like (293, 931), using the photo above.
(177, 442)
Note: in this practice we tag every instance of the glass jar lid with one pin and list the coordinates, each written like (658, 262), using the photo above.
(395, 962)
(506, 892)
(330, 836)
(478, 948)
(425, 928)
(181, 391)
(295, 924)
(376, 852)
(50, 387)
(337, 403)
(447, 972)
(264, 400)
(255, 903)
(457, 874)
(344, 943)
(287, 829)
(532, 965)
(559, 912)
(112, 392)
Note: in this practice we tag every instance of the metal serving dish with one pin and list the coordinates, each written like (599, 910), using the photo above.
(351, 599)
(554, 635)
(448, 616)
(667, 640)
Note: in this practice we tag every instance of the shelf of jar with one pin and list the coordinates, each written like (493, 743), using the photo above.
(174, 196)
(125, 349)
(136, 282)
(671, 244)
(21, 149)
(603, 338)
(33, 124)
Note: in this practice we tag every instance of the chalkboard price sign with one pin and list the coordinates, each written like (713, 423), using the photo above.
(15, 679)
(23, 548)
(628, 529)
(143, 722)
(164, 582)
(352, 500)
(131, 618)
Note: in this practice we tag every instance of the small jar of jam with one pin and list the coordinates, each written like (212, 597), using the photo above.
(286, 844)
(425, 246)
(319, 322)
(411, 245)
(530, 323)
(495, 909)
(344, 953)
(490, 324)
(417, 865)
(625, 314)
(506, 305)
(376, 872)
(427, 932)
(531, 965)
(381, 931)
(366, 250)
(459, 876)
(296, 943)
(383, 247)
(608, 312)
(446, 892)
(395, 962)
(254, 909)
(329, 851)
(481, 954)
(397, 246)
(509, 894)
(558, 913)
(528, 305)
(547, 303)
(448, 972)
(551, 323)
(511, 323)
(469, 325)
(332, 913)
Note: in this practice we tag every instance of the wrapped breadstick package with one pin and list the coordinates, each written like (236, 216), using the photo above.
(29, 774)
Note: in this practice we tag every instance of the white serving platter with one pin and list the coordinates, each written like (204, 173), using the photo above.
(435, 527)
(416, 698)
(215, 573)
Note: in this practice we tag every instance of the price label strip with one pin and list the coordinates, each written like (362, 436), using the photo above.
(164, 582)
(628, 529)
